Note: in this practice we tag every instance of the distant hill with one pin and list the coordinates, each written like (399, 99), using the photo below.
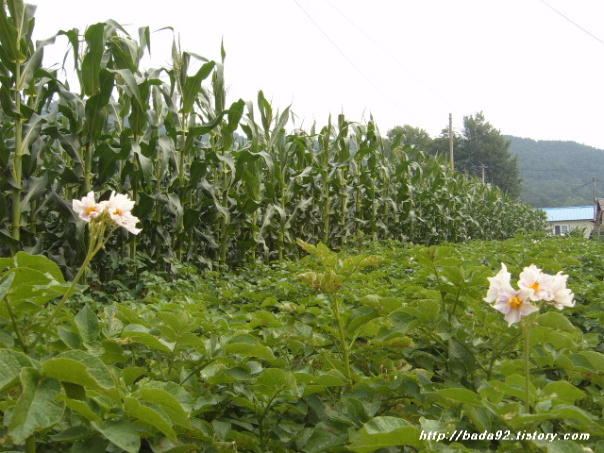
(558, 173)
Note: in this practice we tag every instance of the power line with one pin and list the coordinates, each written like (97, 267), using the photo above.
(348, 59)
(558, 170)
(572, 22)
(391, 56)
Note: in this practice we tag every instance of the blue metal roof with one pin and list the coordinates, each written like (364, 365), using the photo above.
(570, 213)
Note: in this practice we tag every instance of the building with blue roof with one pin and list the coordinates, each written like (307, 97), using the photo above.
(564, 220)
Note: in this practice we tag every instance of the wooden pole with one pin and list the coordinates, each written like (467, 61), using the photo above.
(451, 141)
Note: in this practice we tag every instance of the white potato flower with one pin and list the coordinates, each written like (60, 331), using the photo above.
(87, 208)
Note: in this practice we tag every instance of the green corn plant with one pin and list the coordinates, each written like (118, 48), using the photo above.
(19, 61)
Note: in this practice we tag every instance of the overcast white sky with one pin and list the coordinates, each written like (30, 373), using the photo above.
(531, 71)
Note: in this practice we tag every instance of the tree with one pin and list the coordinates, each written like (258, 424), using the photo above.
(484, 149)
(413, 136)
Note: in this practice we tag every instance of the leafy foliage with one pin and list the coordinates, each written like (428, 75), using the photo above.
(252, 361)
(205, 194)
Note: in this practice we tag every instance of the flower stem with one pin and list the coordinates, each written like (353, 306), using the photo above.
(526, 326)
(97, 242)
(343, 342)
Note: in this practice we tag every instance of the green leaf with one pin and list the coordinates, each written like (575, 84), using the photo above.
(36, 408)
(325, 436)
(95, 444)
(276, 378)
(5, 283)
(596, 359)
(36, 281)
(11, 363)
(32, 64)
(150, 414)
(168, 403)
(140, 334)
(36, 187)
(250, 350)
(385, 432)
(87, 323)
(461, 395)
(130, 85)
(91, 63)
(87, 409)
(561, 446)
(556, 320)
(359, 317)
(564, 391)
(193, 86)
(39, 263)
(81, 368)
(9, 38)
(120, 433)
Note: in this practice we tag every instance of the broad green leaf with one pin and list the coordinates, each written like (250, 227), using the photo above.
(132, 373)
(81, 368)
(96, 444)
(33, 63)
(461, 395)
(596, 359)
(168, 403)
(11, 364)
(234, 114)
(556, 320)
(5, 283)
(151, 414)
(193, 86)
(91, 64)
(385, 432)
(130, 85)
(32, 288)
(560, 446)
(120, 433)
(140, 334)
(86, 408)
(96, 115)
(250, 350)
(39, 263)
(184, 398)
(360, 317)
(564, 391)
(87, 323)
(276, 378)
(71, 434)
(36, 187)
(325, 436)
(36, 408)
(9, 38)
(125, 52)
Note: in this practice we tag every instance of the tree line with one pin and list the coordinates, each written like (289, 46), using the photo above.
(480, 150)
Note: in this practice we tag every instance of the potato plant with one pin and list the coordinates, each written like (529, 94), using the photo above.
(258, 360)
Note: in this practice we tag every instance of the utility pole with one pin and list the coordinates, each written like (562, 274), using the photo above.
(451, 141)
(597, 215)
(483, 167)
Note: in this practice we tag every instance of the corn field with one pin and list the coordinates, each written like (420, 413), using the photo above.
(215, 181)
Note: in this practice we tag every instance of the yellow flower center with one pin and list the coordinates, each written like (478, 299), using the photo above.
(117, 212)
(535, 287)
(515, 302)
(91, 209)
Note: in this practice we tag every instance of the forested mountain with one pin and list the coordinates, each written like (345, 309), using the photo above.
(558, 173)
